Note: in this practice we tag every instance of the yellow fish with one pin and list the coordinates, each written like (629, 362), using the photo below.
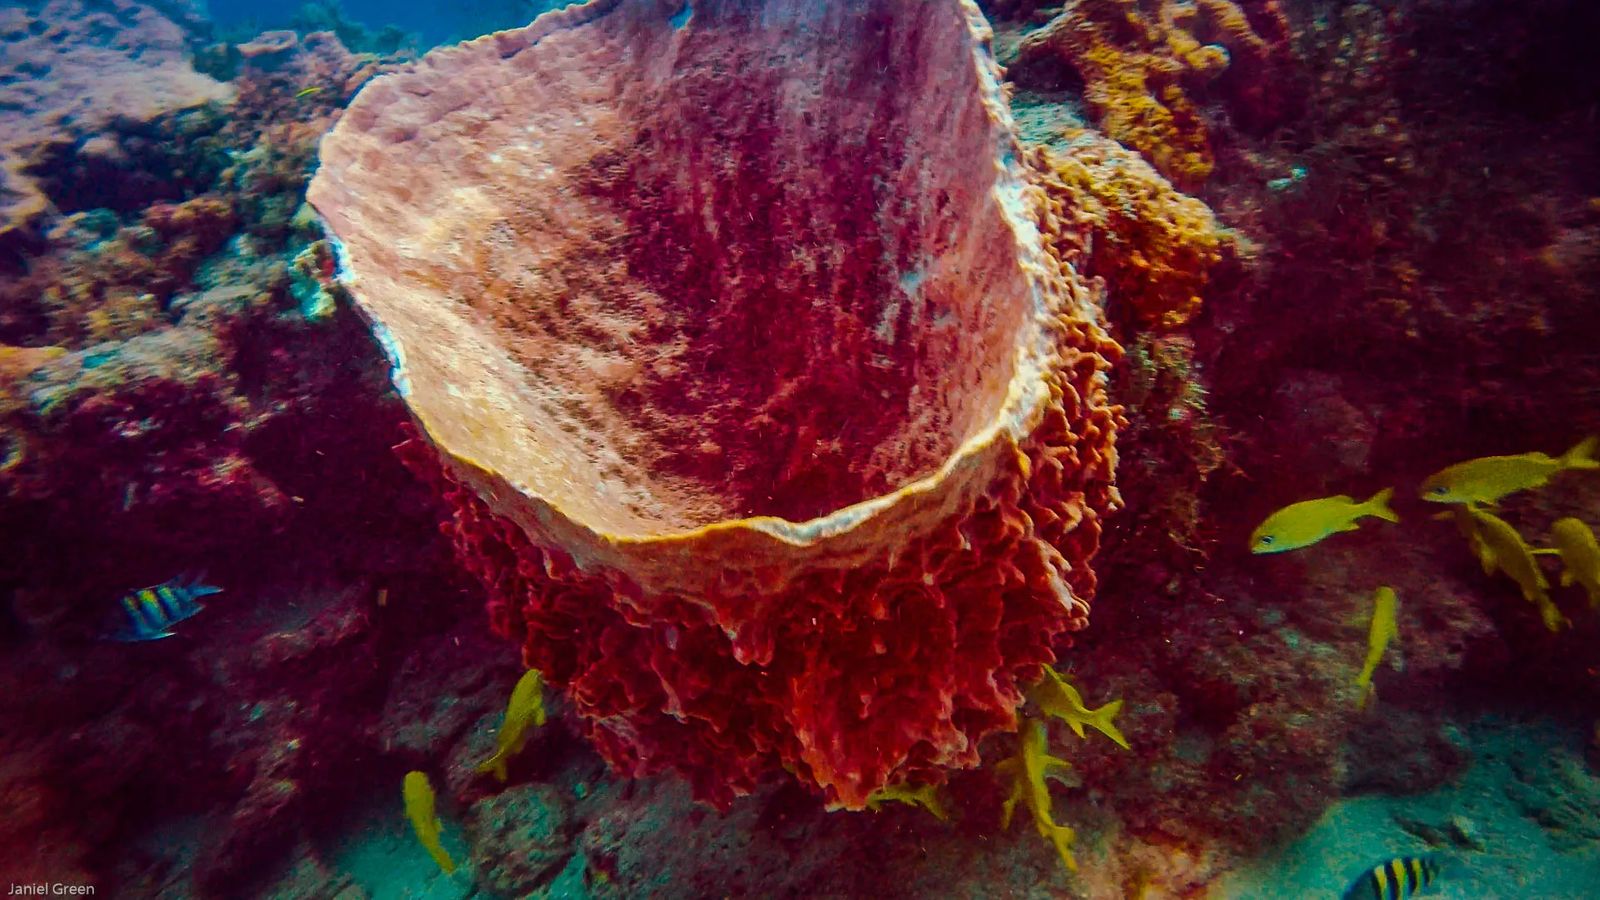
(307, 92)
(419, 808)
(526, 708)
(1057, 697)
(1027, 771)
(1488, 478)
(1513, 556)
(1303, 524)
(1580, 556)
(923, 795)
(1469, 530)
(1382, 631)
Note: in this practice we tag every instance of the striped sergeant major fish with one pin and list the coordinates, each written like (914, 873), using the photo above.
(1397, 879)
(149, 613)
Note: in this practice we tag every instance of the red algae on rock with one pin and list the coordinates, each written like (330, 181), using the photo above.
(640, 275)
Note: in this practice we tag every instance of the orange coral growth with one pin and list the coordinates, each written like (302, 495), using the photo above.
(1154, 246)
(1142, 64)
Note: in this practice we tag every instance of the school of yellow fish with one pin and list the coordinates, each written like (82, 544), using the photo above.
(524, 711)
(1472, 488)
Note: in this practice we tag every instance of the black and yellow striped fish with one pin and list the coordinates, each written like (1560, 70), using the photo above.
(1397, 879)
(149, 613)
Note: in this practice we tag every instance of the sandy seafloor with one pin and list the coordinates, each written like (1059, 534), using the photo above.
(1518, 859)
(1501, 851)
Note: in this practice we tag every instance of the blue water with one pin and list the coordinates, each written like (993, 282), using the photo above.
(432, 21)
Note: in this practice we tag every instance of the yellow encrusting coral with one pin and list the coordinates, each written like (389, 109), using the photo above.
(1028, 770)
(1141, 61)
(1154, 246)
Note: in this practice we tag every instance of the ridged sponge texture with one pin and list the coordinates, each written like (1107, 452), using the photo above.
(777, 436)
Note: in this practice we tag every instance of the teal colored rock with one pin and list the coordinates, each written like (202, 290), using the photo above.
(521, 839)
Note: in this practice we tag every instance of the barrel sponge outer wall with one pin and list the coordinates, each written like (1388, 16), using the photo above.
(777, 436)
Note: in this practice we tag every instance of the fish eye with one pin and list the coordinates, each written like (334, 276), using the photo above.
(1440, 491)
(1265, 539)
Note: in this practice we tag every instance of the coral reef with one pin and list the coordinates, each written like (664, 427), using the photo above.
(75, 75)
(167, 406)
(183, 386)
(1110, 213)
(1145, 68)
(682, 513)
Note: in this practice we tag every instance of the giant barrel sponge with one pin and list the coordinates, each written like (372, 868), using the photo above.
(774, 432)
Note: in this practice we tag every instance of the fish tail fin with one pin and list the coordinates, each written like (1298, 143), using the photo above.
(495, 764)
(1378, 505)
(1581, 456)
(1063, 837)
(1368, 694)
(1554, 618)
(1104, 720)
(195, 585)
(1010, 806)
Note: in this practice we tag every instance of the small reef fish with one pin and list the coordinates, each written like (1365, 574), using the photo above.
(1512, 555)
(1397, 879)
(526, 708)
(1580, 556)
(1309, 521)
(1057, 697)
(418, 793)
(923, 795)
(1379, 634)
(1469, 530)
(1027, 771)
(307, 92)
(1488, 478)
(151, 612)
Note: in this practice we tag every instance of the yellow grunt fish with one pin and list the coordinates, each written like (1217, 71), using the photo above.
(526, 708)
(1580, 556)
(1512, 555)
(418, 793)
(1469, 530)
(923, 795)
(1058, 698)
(1309, 521)
(1488, 478)
(1382, 631)
(1027, 771)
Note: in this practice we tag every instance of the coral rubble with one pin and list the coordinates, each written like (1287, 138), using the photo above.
(777, 438)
